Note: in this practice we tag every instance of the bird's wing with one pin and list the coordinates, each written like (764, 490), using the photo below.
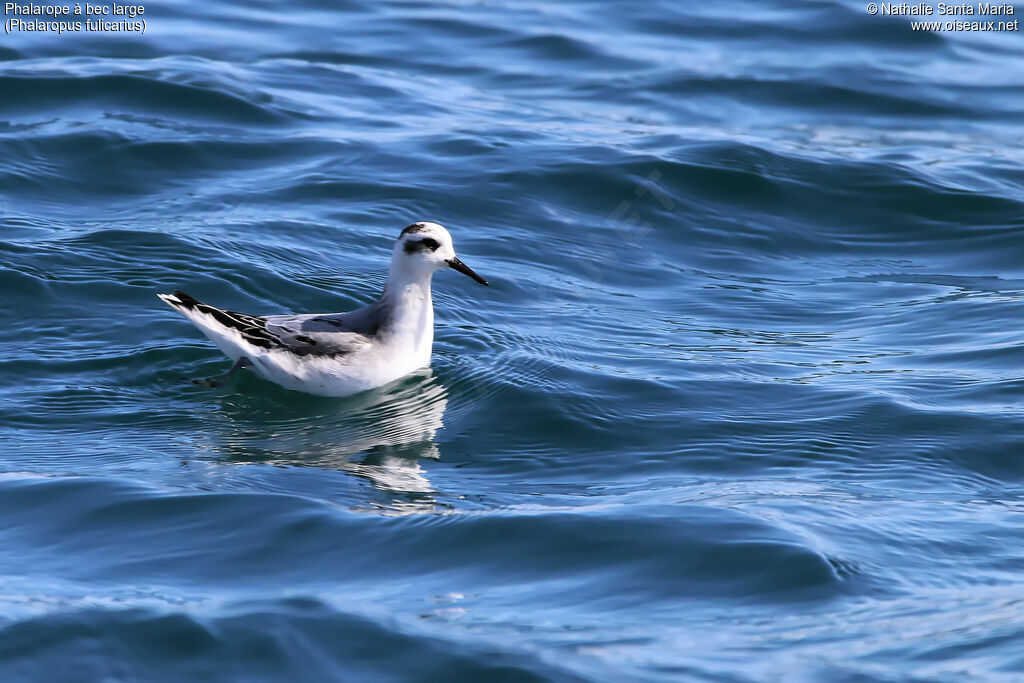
(304, 335)
(315, 334)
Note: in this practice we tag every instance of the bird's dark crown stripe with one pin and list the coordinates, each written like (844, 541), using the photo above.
(415, 227)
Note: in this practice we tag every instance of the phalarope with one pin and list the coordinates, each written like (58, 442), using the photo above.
(338, 354)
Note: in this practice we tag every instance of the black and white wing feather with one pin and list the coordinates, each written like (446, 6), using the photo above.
(303, 335)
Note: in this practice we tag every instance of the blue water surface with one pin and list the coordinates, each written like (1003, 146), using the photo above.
(744, 401)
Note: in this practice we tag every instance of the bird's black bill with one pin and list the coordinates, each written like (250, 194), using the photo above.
(463, 268)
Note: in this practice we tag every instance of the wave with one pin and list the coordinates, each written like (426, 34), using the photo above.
(253, 640)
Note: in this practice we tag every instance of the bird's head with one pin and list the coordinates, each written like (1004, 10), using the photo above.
(424, 248)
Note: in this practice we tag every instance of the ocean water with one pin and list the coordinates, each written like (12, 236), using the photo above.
(744, 401)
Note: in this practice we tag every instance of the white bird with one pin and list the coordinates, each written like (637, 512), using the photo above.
(338, 354)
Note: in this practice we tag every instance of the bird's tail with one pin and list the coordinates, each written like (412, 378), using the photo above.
(180, 300)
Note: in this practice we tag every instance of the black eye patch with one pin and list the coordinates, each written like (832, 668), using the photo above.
(425, 244)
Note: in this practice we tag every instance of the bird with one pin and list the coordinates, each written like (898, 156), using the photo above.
(339, 354)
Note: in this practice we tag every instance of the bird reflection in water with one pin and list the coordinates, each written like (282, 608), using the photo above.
(381, 436)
